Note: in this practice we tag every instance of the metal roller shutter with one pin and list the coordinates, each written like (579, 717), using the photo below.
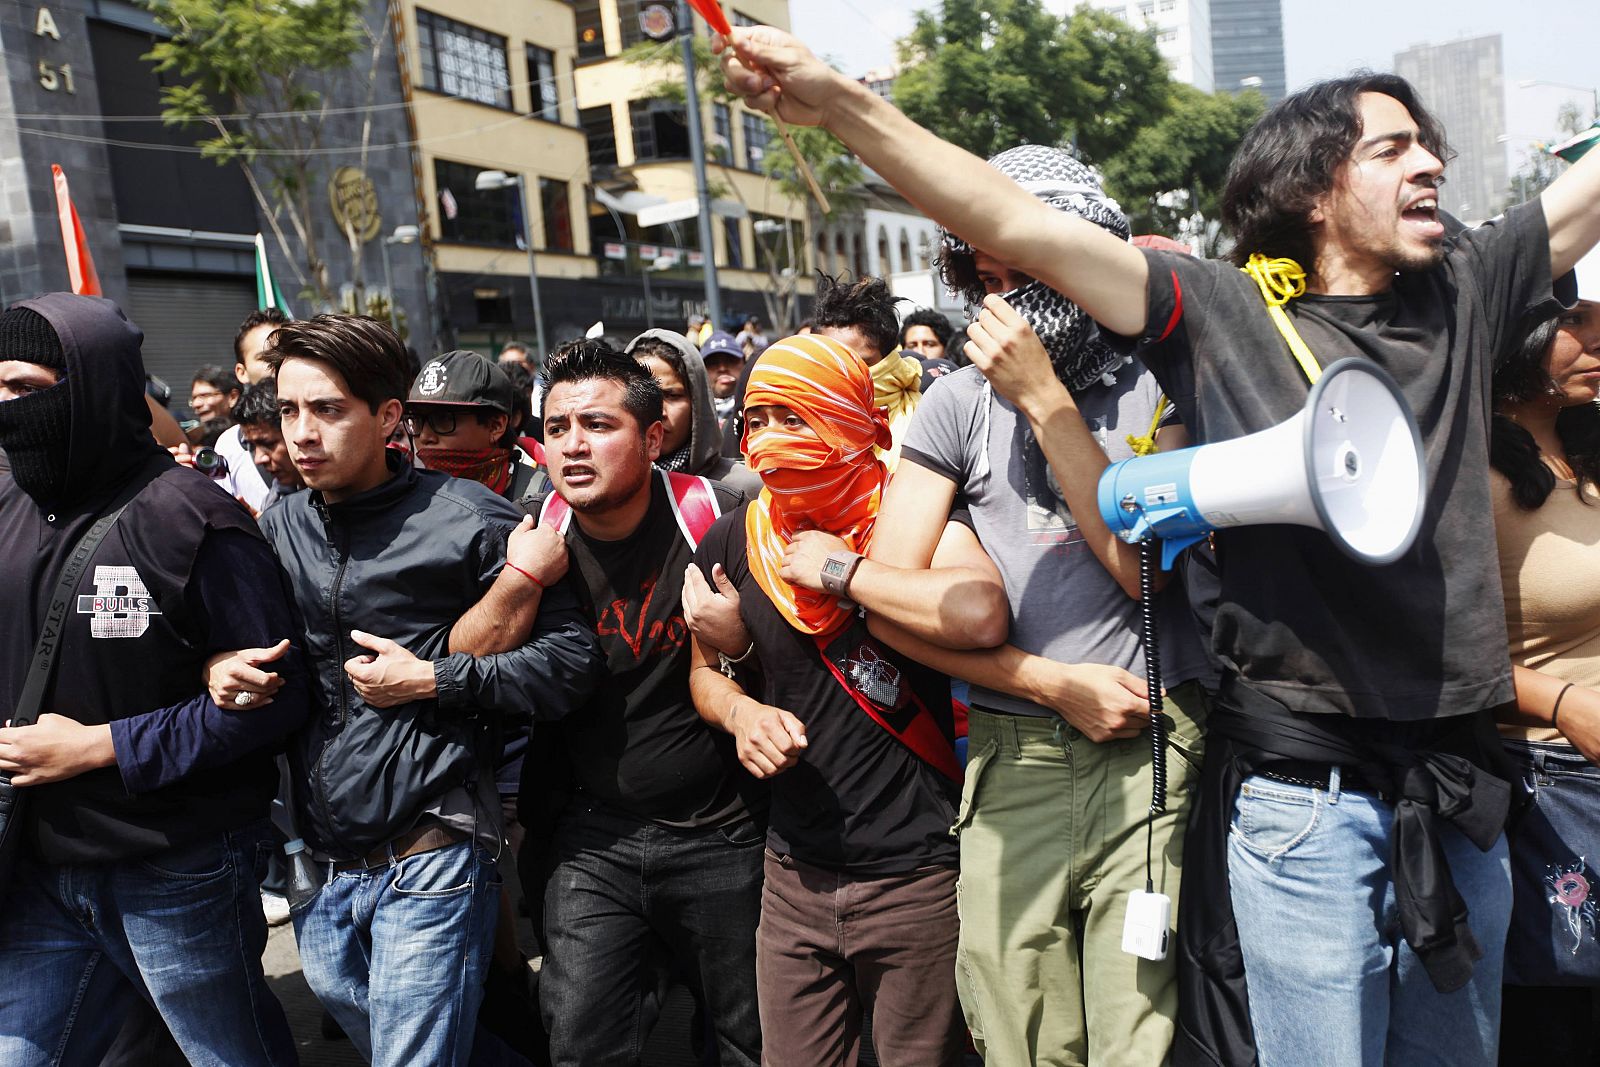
(188, 321)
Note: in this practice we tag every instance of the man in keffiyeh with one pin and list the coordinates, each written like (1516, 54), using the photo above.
(860, 315)
(856, 740)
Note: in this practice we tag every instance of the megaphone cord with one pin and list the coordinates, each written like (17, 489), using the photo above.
(1158, 722)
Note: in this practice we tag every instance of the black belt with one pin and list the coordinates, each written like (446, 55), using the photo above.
(1316, 775)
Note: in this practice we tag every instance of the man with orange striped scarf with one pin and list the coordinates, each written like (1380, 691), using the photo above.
(855, 739)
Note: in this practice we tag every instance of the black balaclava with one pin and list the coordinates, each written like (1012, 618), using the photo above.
(36, 430)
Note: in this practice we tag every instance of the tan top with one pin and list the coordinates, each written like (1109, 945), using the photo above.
(1550, 571)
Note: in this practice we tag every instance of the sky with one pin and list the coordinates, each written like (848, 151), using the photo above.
(1549, 40)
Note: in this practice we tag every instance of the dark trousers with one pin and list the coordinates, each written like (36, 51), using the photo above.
(832, 946)
(625, 899)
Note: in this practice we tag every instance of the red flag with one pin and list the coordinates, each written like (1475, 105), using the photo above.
(80, 265)
(711, 11)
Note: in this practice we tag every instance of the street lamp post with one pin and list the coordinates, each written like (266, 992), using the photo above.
(1592, 90)
(498, 179)
(403, 235)
(647, 269)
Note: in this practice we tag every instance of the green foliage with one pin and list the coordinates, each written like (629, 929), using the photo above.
(236, 55)
(990, 74)
(1188, 151)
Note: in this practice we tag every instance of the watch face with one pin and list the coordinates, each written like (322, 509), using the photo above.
(833, 566)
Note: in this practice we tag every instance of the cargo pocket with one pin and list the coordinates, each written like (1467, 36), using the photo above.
(976, 765)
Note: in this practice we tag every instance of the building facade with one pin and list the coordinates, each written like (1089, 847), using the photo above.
(1247, 47)
(172, 233)
(1463, 84)
(1183, 34)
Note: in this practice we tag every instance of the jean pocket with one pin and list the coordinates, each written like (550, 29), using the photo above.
(1273, 822)
(976, 765)
(743, 834)
(192, 864)
(440, 872)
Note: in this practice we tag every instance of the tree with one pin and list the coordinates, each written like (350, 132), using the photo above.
(990, 74)
(1169, 176)
(246, 67)
(838, 173)
(1539, 168)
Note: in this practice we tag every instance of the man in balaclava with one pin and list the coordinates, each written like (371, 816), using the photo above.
(136, 788)
(1058, 718)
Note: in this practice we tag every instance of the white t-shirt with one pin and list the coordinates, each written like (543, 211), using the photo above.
(244, 479)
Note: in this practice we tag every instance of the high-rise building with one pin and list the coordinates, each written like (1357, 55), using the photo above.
(1247, 46)
(1462, 84)
(1183, 33)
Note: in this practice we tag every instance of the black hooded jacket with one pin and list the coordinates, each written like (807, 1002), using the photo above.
(139, 630)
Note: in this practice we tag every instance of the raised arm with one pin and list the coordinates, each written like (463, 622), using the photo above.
(1572, 212)
(775, 73)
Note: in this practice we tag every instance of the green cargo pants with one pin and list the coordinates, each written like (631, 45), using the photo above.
(1052, 829)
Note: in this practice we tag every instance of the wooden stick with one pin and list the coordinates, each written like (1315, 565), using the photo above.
(799, 162)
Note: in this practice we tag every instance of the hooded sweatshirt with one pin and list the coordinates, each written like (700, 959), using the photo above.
(705, 433)
(155, 600)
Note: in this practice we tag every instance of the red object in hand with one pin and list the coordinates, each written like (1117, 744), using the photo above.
(711, 11)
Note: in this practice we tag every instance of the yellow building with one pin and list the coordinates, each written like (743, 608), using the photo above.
(491, 90)
(538, 90)
(639, 158)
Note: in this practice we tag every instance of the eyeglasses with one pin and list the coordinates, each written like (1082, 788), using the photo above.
(443, 422)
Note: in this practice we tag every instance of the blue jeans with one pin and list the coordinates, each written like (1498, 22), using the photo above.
(1331, 979)
(397, 954)
(628, 897)
(182, 929)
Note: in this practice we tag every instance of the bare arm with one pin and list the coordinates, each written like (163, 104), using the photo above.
(1578, 719)
(503, 617)
(767, 739)
(1572, 212)
(774, 72)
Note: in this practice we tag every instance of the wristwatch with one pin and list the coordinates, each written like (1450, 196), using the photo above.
(837, 570)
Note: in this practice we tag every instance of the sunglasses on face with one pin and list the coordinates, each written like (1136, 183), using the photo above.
(443, 422)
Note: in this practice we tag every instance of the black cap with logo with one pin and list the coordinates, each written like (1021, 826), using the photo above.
(462, 379)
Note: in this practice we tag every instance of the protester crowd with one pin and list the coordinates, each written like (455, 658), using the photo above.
(804, 671)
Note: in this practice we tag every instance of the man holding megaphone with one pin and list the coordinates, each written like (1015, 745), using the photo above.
(1366, 865)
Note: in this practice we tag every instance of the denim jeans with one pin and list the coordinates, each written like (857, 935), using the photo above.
(182, 929)
(1331, 979)
(627, 897)
(397, 954)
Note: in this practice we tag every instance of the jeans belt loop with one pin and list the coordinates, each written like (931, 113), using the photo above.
(1335, 772)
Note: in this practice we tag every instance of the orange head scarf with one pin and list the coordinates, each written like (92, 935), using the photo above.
(831, 482)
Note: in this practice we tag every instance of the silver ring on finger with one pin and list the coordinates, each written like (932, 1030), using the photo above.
(244, 700)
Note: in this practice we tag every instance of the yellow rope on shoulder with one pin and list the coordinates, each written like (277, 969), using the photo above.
(1280, 281)
(1146, 445)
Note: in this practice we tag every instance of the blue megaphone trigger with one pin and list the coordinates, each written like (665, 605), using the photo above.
(1148, 497)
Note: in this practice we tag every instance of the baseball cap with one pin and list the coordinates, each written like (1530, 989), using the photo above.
(721, 343)
(462, 379)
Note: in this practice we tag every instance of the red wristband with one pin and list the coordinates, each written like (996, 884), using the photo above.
(525, 574)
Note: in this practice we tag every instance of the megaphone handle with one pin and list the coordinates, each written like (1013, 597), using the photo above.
(1152, 677)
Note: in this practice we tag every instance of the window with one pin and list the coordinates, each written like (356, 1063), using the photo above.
(1147, 8)
(461, 60)
(721, 133)
(778, 242)
(591, 34)
(756, 135)
(735, 237)
(543, 91)
(905, 251)
(741, 19)
(557, 214)
(1169, 5)
(600, 132)
(467, 216)
(885, 265)
(660, 129)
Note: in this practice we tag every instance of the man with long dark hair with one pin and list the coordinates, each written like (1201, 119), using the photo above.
(1350, 756)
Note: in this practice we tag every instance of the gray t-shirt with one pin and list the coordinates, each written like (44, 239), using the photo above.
(1064, 604)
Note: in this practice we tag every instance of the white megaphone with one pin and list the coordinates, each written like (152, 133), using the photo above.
(1350, 464)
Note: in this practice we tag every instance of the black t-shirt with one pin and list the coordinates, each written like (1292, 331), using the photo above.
(638, 745)
(858, 800)
(1299, 621)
